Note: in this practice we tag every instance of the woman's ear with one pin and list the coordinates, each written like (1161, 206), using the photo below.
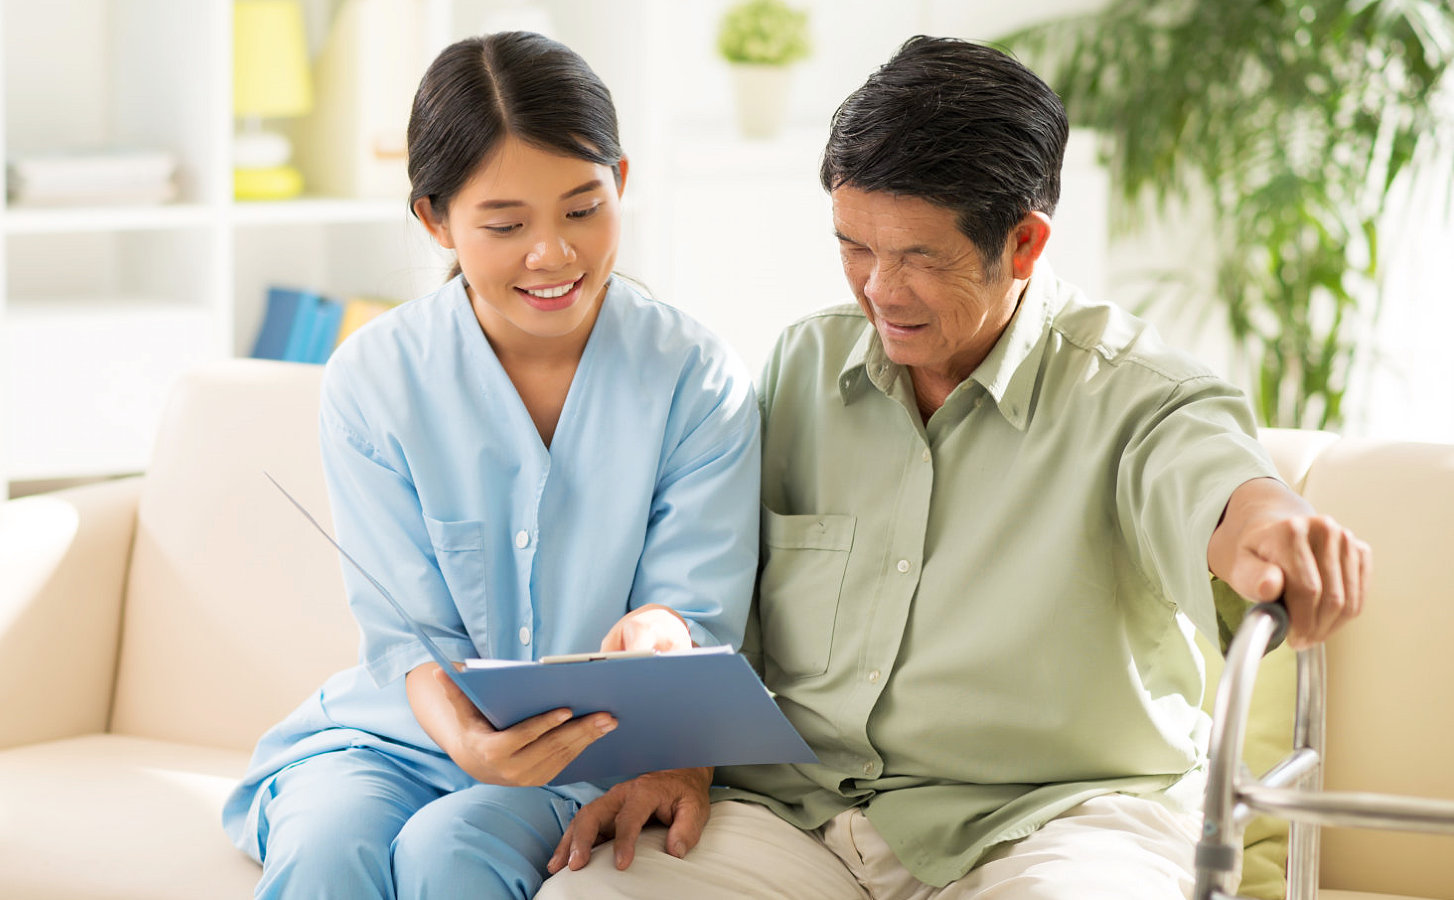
(437, 226)
(621, 166)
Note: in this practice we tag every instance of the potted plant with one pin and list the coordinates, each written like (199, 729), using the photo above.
(1296, 122)
(761, 39)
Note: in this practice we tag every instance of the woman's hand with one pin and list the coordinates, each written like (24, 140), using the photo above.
(653, 627)
(528, 753)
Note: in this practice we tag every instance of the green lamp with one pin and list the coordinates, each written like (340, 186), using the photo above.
(270, 80)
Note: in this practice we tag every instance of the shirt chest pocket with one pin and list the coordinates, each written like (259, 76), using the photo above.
(805, 558)
(459, 548)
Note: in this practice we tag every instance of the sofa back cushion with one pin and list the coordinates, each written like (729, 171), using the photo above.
(235, 607)
(1391, 672)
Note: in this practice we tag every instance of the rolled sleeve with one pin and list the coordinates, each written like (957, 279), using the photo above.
(1173, 485)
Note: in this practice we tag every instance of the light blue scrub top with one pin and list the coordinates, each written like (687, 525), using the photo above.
(441, 487)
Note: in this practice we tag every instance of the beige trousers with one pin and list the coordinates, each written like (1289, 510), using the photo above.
(1115, 847)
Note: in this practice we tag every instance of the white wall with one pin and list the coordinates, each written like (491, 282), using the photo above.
(1408, 385)
(738, 232)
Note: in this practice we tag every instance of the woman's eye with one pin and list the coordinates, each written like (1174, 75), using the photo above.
(583, 213)
(502, 229)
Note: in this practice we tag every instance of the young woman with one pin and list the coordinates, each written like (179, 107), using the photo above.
(536, 459)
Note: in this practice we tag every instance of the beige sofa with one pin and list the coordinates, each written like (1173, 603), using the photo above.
(152, 628)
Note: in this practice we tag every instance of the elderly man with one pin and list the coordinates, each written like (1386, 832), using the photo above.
(991, 506)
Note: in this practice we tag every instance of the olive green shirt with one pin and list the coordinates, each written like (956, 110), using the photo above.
(981, 622)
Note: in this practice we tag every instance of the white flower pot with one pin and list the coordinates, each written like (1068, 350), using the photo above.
(761, 93)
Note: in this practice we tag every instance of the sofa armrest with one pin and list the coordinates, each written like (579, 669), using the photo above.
(63, 565)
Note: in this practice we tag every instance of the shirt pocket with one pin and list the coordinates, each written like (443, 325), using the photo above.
(459, 550)
(805, 558)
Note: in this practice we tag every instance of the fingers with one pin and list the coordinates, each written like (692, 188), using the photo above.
(652, 627)
(655, 629)
(1302, 583)
(532, 752)
(613, 641)
(585, 832)
(629, 821)
(688, 819)
(528, 731)
(1329, 545)
(1325, 571)
(1365, 574)
(1258, 579)
(676, 797)
(555, 750)
(642, 633)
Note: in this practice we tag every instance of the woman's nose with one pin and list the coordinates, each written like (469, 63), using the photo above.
(551, 251)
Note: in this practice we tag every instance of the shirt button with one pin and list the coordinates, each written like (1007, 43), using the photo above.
(868, 768)
(874, 676)
(524, 635)
(522, 539)
(927, 455)
(903, 565)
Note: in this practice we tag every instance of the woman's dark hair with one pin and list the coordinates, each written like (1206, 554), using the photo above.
(482, 89)
(961, 125)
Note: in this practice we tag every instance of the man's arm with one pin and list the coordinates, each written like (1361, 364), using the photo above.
(1270, 543)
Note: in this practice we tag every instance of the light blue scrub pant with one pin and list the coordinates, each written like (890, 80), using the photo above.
(354, 824)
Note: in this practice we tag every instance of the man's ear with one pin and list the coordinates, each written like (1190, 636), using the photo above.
(437, 226)
(1027, 242)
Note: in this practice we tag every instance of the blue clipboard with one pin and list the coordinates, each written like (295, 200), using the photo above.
(699, 707)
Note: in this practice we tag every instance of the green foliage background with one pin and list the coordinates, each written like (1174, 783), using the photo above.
(1297, 118)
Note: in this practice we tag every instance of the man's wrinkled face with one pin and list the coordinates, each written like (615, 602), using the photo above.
(920, 280)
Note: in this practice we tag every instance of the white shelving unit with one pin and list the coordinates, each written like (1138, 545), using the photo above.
(102, 307)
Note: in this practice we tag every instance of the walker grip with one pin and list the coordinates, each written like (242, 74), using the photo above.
(1277, 610)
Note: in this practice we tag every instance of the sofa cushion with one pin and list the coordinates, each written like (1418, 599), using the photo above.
(235, 608)
(1391, 673)
(63, 557)
(107, 816)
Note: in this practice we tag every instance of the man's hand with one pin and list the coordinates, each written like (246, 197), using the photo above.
(675, 797)
(528, 753)
(1271, 543)
(652, 627)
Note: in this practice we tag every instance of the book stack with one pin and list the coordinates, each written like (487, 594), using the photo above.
(109, 177)
(305, 326)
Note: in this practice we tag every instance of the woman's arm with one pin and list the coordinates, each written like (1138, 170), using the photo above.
(699, 558)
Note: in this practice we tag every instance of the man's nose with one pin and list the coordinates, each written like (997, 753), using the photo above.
(883, 282)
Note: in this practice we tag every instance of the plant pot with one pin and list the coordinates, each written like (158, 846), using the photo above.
(761, 95)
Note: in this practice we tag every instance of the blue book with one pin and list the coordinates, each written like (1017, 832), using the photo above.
(327, 317)
(300, 336)
(278, 322)
(699, 707)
